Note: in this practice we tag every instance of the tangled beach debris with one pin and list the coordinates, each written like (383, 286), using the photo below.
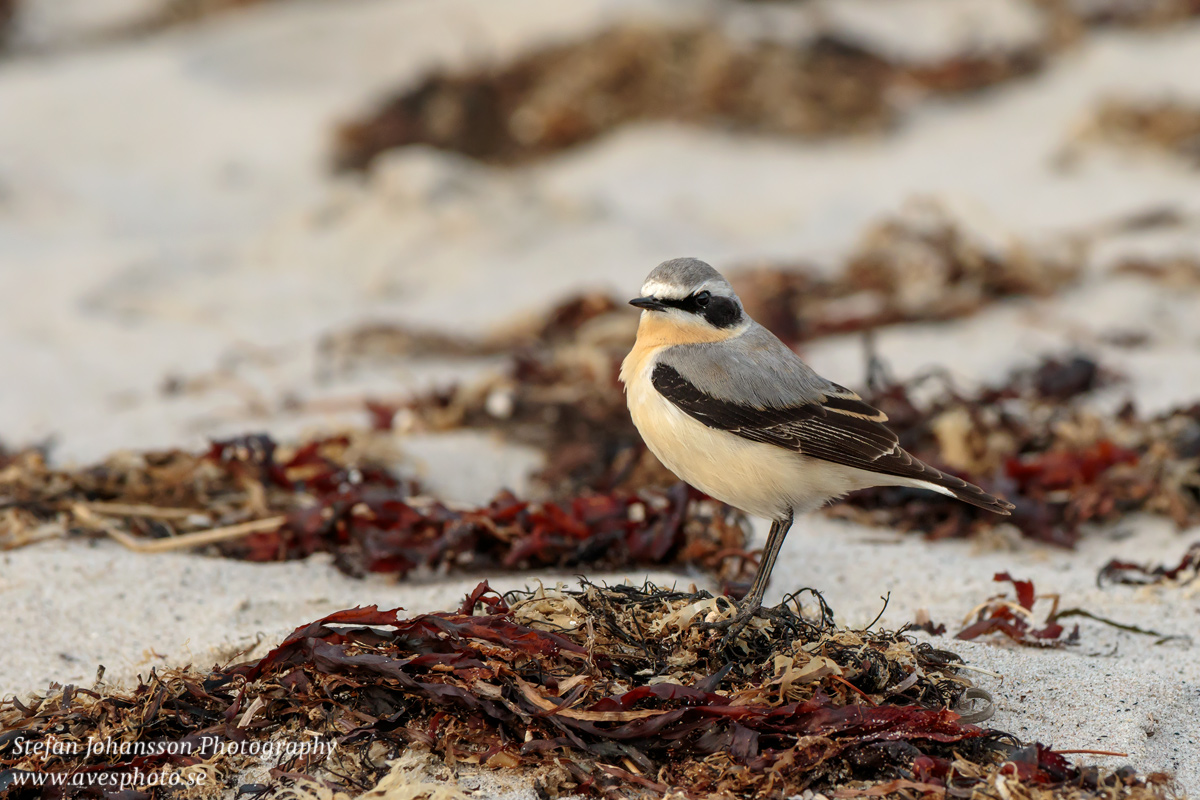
(1167, 126)
(250, 499)
(828, 85)
(607, 691)
(567, 94)
(571, 93)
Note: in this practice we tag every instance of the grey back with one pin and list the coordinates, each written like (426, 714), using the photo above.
(754, 368)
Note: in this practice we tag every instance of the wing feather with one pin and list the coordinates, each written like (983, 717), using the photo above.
(837, 426)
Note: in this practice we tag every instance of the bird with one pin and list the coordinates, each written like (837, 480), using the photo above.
(734, 412)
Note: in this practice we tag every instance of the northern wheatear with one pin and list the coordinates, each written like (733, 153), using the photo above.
(733, 411)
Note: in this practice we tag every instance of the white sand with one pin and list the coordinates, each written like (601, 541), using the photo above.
(165, 210)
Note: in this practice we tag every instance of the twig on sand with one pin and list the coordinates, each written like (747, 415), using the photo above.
(193, 539)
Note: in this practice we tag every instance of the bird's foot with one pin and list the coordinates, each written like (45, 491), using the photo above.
(733, 626)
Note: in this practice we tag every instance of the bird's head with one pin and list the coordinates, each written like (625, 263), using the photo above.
(694, 296)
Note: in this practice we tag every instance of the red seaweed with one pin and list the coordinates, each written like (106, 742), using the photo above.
(999, 615)
(1186, 571)
(328, 497)
(497, 682)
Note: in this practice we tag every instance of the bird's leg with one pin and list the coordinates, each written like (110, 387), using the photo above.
(779, 530)
(752, 602)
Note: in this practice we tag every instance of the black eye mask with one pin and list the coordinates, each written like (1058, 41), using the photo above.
(721, 312)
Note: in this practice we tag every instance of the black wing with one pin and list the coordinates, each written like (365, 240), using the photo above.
(838, 427)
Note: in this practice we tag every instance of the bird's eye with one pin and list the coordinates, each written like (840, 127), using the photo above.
(702, 299)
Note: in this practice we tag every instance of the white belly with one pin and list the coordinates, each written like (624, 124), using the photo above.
(760, 479)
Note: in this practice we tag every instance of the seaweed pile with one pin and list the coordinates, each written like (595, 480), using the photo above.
(611, 692)
(1166, 126)
(1032, 440)
(561, 96)
(564, 95)
(251, 499)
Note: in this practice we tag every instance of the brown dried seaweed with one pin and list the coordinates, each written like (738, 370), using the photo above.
(568, 94)
(1166, 126)
(331, 495)
(564, 95)
(614, 691)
